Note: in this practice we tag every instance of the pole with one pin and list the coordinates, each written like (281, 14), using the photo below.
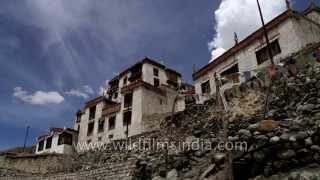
(25, 138)
(270, 56)
(222, 105)
(266, 34)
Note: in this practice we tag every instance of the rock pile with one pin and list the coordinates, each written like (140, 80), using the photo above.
(288, 138)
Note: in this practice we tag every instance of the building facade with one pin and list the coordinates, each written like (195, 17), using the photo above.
(143, 89)
(58, 141)
(289, 32)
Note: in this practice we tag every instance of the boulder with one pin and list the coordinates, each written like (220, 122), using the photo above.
(268, 125)
(172, 175)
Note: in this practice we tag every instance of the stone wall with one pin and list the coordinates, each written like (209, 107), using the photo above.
(33, 163)
(114, 171)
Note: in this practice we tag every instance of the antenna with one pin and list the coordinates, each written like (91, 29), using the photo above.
(236, 39)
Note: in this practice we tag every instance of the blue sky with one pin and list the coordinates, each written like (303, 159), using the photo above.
(55, 55)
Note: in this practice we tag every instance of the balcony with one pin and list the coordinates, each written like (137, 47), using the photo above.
(111, 109)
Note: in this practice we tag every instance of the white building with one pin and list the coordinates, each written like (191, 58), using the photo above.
(143, 89)
(288, 33)
(58, 141)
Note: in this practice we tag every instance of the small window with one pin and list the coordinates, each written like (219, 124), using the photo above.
(115, 95)
(90, 129)
(92, 112)
(41, 145)
(49, 142)
(263, 54)
(110, 136)
(128, 100)
(88, 141)
(78, 118)
(160, 101)
(127, 118)
(112, 122)
(100, 138)
(125, 80)
(155, 72)
(205, 87)
(101, 125)
(65, 138)
(156, 82)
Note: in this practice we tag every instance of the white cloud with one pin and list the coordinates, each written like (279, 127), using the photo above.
(242, 17)
(83, 92)
(78, 93)
(88, 89)
(39, 97)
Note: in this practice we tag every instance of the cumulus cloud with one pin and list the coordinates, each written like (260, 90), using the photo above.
(241, 17)
(38, 97)
(83, 92)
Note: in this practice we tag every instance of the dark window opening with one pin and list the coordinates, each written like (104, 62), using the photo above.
(232, 74)
(92, 112)
(125, 80)
(101, 125)
(110, 136)
(155, 72)
(205, 87)
(90, 129)
(127, 118)
(99, 138)
(49, 143)
(41, 145)
(263, 54)
(78, 117)
(112, 122)
(128, 100)
(172, 79)
(65, 138)
(156, 82)
(115, 95)
(136, 72)
(89, 141)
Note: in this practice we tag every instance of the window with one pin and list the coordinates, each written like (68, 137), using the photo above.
(128, 100)
(40, 146)
(78, 117)
(49, 142)
(88, 141)
(156, 82)
(99, 138)
(263, 54)
(155, 72)
(92, 112)
(115, 95)
(101, 125)
(110, 136)
(90, 129)
(112, 122)
(65, 138)
(125, 80)
(205, 87)
(127, 118)
(231, 74)
(160, 101)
